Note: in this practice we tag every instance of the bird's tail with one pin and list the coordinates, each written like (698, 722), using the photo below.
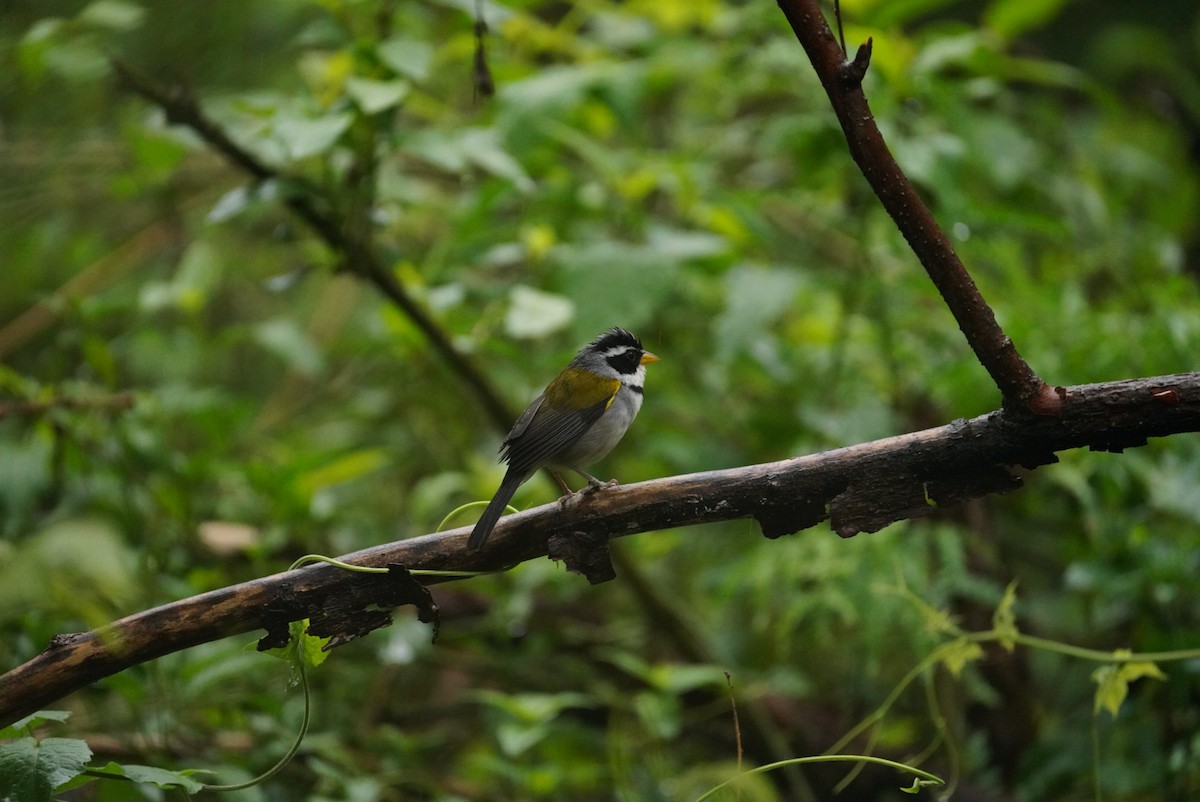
(495, 509)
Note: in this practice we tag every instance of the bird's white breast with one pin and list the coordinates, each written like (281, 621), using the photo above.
(605, 433)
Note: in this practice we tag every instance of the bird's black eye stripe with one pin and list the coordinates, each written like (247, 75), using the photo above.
(625, 360)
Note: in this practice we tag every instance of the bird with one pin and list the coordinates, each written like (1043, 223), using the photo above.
(583, 412)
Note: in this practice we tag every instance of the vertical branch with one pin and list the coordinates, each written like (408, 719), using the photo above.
(1020, 386)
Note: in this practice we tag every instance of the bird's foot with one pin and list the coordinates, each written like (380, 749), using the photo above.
(593, 485)
(596, 485)
(569, 500)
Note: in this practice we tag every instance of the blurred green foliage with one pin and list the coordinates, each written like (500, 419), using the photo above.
(668, 166)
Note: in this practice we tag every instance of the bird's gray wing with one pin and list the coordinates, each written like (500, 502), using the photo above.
(522, 423)
(543, 431)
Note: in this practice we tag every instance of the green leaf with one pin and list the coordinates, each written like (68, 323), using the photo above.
(533, 313)
(346, 468)
(410, 57)
(30, 769)
(238, 199)
(284, 338)
(196, 278)
(1011, 18)
(309, 648)
(535, 707)
(1110, 691)
(659, 713)
(75, 564)
(302, 137)
(681, 678)
(528, 716)
(562, 85)
(152, 775)
(482, 147)
(55, 45)
(301, 648)
(27, 724)
(614, 283)
(1112, 681)
(478, 147)
(1004, 621)
(934, 619)
(681, 244)
(1145, 668)
(517, 737)
(755, 297)
(43, 30)
(114, 15)
(375, 96)
(956, 654)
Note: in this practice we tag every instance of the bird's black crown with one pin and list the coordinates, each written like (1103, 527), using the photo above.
(614, 338)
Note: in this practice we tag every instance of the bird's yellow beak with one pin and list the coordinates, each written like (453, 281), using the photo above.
(648, 357)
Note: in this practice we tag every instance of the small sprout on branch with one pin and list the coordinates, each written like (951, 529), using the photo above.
(853, 72)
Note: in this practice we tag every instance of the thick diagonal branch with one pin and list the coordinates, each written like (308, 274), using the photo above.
(1019, 384)
(181, 108)
(859, 488)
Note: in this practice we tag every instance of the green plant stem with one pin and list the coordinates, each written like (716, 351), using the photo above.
(1095, 655)
(881, 711)
(463, 507)
(291, 753)
(368, 569)
(942, 727)
(321, 558)
(924, 777)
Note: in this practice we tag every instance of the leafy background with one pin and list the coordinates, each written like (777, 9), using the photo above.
(669, 166)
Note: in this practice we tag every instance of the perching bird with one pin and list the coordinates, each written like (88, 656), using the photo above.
(583, 412)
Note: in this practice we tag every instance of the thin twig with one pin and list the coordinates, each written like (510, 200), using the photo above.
(837, 14)
(737, 727)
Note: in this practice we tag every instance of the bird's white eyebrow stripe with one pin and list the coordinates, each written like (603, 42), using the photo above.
(618, 351)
